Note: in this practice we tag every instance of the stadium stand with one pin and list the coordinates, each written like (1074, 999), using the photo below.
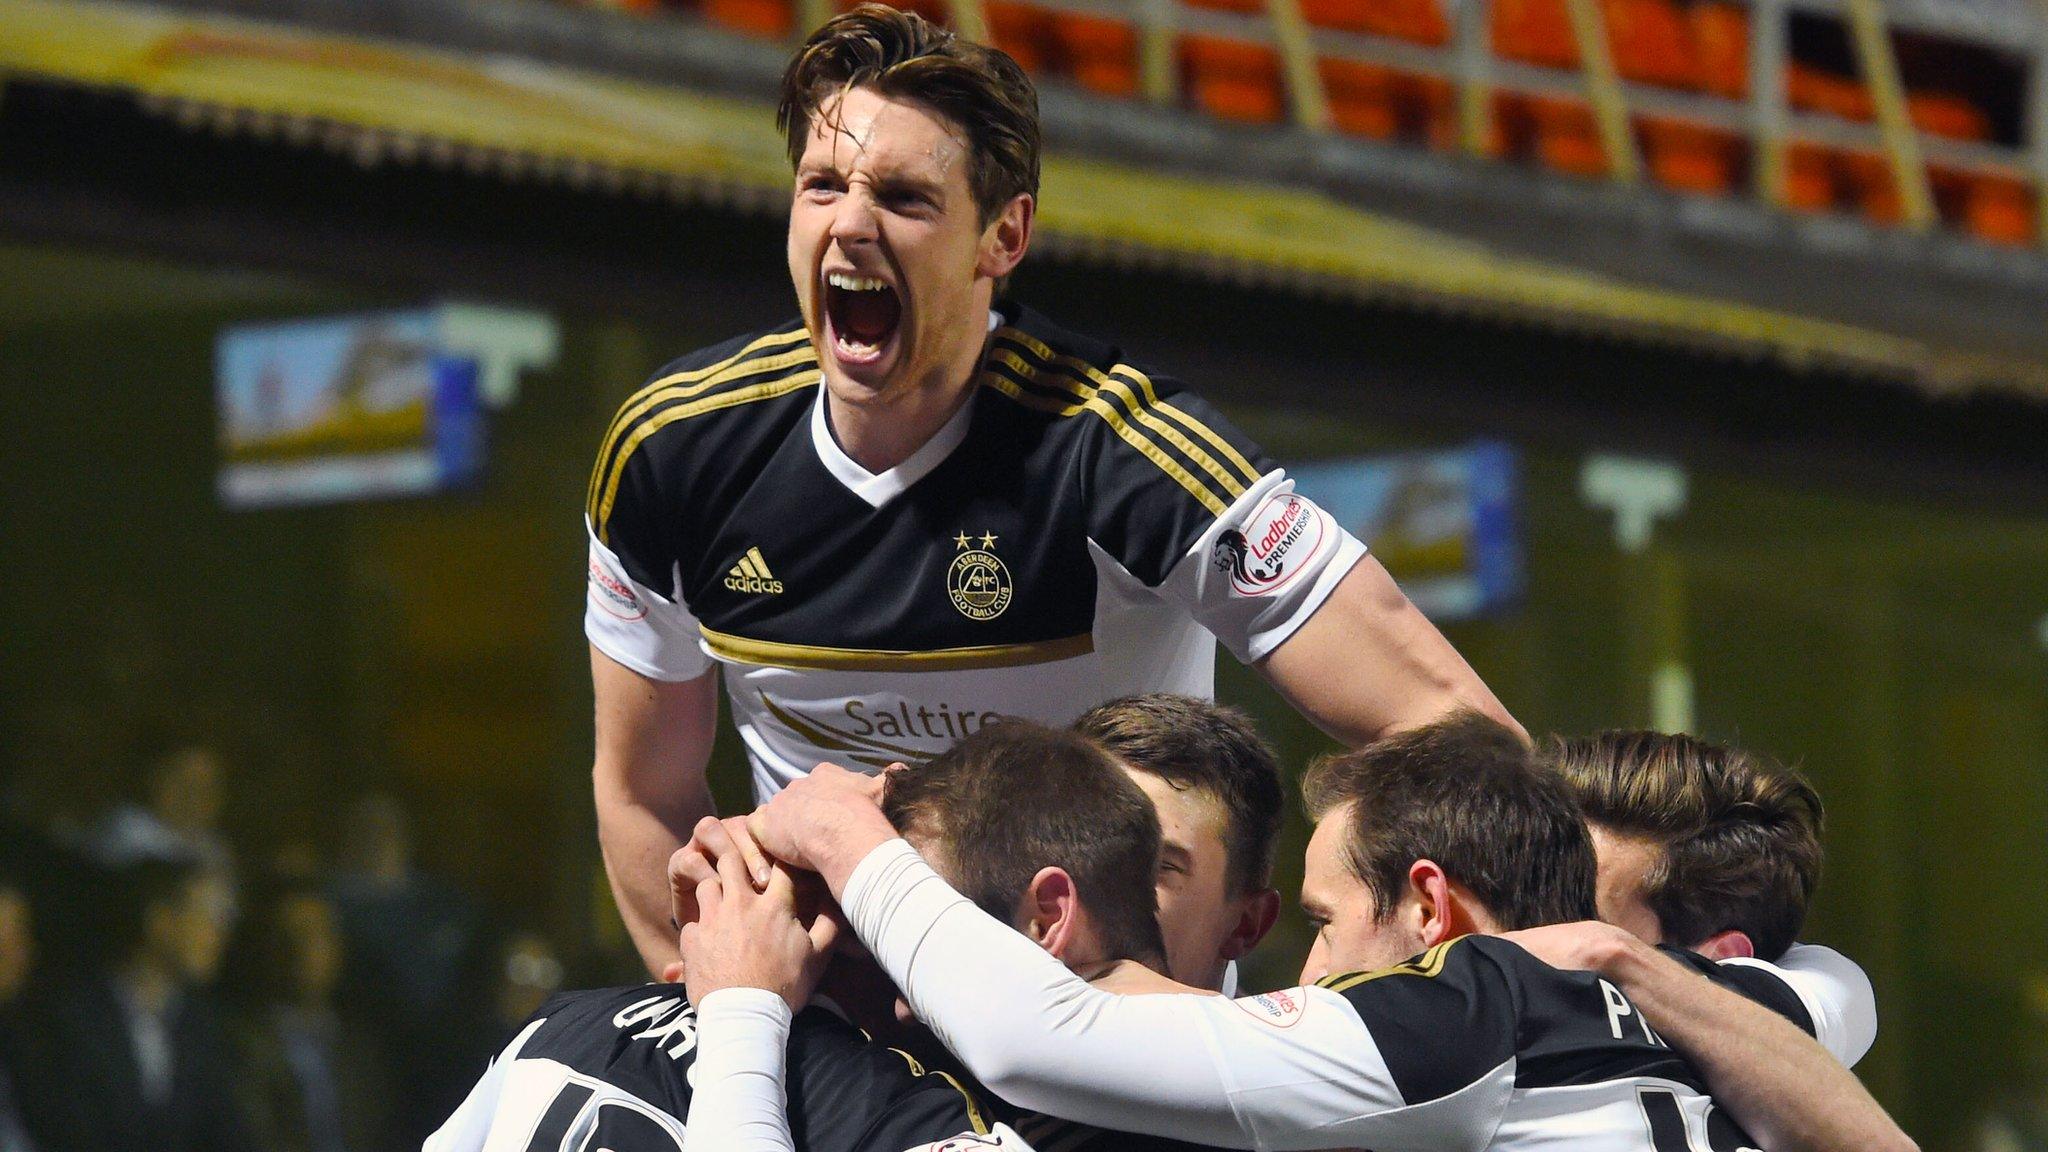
(1391, 71)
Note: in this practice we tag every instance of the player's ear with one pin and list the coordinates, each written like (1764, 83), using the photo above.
(1255, 918)
(1440, 905)
(1051, 910)
(1727, 945)
(1007, 237)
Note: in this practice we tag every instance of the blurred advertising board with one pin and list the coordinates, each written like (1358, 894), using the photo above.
(1446, 523)
(367, 405)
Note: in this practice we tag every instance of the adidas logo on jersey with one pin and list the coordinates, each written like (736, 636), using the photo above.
(751, 574)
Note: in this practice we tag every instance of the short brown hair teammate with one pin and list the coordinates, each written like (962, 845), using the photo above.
(914, 506)
(1702, 845)
(1217, 787)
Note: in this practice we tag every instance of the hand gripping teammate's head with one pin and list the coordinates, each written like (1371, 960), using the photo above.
(1702, 845)
(916, 157)
(1437, 832)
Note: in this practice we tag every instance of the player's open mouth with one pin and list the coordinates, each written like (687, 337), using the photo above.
(863, 312)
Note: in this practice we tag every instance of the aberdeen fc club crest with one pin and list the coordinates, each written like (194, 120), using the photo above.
(977, 582)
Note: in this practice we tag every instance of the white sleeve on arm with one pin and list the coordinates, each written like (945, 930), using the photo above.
(737, 1102)
(1263, 568)
(470, 1125)
(637, 626)
(1238, 1074)
(1837, 995)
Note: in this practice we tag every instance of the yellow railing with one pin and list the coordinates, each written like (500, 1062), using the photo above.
(1469, 64)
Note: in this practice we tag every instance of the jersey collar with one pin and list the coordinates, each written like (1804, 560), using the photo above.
(878, 488)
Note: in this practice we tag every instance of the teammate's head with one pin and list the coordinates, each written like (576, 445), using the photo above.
(1217, 787)
(1701, 845)
(1042, 830)
(1443, 830)
(916, 156)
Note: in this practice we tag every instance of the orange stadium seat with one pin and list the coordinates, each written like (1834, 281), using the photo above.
(768, 19)
(1942, 114)
(1361, 98)
(1814, 89)
(1652, 42)
(1387, 103)
(1418, 21)
(1567, 139)
(2000, 209)
(1233, 79)
(1867, 178)
(1431, 102)
(1690, 157)
(1720, 33)
(1025, 31)
(1101, 53)
(1810, 184)
(1534, 32)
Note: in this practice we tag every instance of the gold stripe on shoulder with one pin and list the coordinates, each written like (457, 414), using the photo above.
(743, 650)
(1188, 421)
(1429, 964)
(1141, 406)
(775, 341)
(1216, 505)
(966, 1097)
(767, 390)
(916, 1068)
(683, 385)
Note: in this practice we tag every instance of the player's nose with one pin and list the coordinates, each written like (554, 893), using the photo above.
(854, 222)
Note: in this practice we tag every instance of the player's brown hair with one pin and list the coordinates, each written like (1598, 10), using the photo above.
(1205, 747)
(981, 90)
(1468, 794)
(1740, 833)
(1016, 797)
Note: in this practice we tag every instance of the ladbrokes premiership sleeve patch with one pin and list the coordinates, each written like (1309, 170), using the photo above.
(640, 628)
(1280, 542)
(1263, 568)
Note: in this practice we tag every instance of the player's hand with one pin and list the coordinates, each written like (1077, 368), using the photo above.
(747, 939)
(697, 861)
(825, 822)
(1585, 945)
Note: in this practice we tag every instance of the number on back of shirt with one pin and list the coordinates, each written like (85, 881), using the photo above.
(1670, 1133)
(572, 1124)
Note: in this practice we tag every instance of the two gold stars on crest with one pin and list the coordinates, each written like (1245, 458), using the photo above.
(963, 541)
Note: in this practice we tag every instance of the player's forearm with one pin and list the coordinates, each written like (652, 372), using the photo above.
(738, 1103)
(637, 838)
(1778, 1082)
(1369, 664)
(1035, 1033)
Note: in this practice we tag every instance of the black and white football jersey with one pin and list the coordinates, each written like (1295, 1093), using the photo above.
(1080, 530)
(1474, 1044)
(611, 1068)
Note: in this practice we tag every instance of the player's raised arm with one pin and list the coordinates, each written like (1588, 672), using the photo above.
(1368, 664)
(653, 743)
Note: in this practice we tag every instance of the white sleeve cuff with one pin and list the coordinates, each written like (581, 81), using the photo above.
(642, 629)
(736, 1092)
(1836, 993)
